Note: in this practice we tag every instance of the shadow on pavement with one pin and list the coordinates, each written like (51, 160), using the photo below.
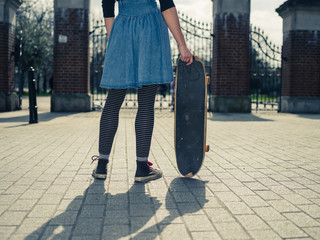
(310, 116)
(180, 190)
(42, 117)
(88, 215)
(235, 117)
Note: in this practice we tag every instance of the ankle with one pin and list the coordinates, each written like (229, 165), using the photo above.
(103, 156)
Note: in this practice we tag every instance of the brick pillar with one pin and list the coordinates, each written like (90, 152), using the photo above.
(71, 85)
(301, 56)
(9, 100)
(231, 56)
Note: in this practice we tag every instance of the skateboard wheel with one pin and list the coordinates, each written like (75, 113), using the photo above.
(189, 175)
(207, 148)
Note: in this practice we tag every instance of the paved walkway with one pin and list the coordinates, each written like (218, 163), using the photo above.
(261, 179)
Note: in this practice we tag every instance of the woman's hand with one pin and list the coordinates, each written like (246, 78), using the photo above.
(186, 55)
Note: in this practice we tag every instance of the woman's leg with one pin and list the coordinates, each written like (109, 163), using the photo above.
(109, 120)
(108, 128)
(145, 120)
(144, 127)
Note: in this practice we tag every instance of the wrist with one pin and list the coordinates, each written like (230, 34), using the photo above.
(183, 44)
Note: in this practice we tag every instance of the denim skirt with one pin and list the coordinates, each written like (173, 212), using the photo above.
(138, 51)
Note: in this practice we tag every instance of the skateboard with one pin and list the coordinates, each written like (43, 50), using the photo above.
(190, 116)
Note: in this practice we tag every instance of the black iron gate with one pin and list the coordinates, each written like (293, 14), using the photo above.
(265, 72)
(198, 38)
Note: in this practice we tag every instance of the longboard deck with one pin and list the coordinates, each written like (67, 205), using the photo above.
(190, 116)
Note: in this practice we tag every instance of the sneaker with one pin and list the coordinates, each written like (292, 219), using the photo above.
(146, 173)
(100, 171)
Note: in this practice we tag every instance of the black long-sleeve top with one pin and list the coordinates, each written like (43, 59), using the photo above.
(108, 6)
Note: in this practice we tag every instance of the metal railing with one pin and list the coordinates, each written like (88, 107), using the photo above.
(198, 36)
(265, 72)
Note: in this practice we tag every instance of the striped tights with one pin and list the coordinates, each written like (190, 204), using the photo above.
(144, 121)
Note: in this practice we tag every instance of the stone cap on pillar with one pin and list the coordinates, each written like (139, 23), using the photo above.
(231, 6)
(78, 4)
(8, 9)
(300, 15)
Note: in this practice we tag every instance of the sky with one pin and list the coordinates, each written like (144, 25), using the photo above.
(263, 14)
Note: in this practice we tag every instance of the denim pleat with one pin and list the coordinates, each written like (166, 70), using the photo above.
(138, 51)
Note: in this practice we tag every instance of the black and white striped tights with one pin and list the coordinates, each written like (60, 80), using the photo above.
(144, 121)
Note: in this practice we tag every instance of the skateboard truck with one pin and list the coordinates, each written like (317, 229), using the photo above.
(208, 80)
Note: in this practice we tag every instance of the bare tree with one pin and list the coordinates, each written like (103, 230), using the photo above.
(35, 23)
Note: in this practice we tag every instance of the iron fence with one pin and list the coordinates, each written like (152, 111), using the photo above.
(265, 72)
(265, 66)
(198, 36)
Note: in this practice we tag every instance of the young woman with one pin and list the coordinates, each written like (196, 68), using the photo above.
(138, 56)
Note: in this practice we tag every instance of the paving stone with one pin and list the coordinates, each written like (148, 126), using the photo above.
(8, 199)
(231, 182)
(210, 202)
(312, 210)
(264, 235)
(190, 208)
(12, 218)
(141, 210)
(228, 197)
(181, 197)
(57, 232)
(5, 185)
(280, 190)
(117, 217)
(50, 199)
(32, 194)
(307, 193)
(198, 223)
(40, 185)
(64, 218)
(174, 231)
(3, 208)
(16, 189)
(23, 205)
(287, 229)
(143, 224)
(33, 226)
(252, 222)
(114, 232)
(231, 230)
(301, 219)
(218, 215)
(296, 199)
(165, 216)
(88, 226)
(6, 231)
(70, 204)
(254, 201)
(257, 172)
(268, 213)
(313, 232)
(238, 208)
(283, 206)
(92, 211)
(117, 204)
(267, 181)
(255, 186)
(205, 235)
(43, 211)
(268, 195)
(218, 187)
(240, 191)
